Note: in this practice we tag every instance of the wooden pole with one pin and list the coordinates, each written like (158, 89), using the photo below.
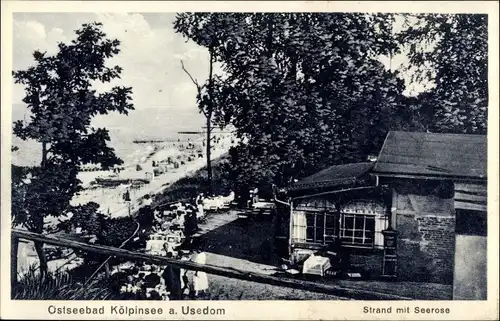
(331, 289)
(14, 248)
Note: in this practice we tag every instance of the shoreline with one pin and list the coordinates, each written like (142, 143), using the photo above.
(110, 198)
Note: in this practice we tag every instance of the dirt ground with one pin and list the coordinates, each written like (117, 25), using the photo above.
(246, 244)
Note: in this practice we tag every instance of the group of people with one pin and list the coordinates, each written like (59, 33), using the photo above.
(184, 217)
(178, 221)
(154, 282)
(177, 280)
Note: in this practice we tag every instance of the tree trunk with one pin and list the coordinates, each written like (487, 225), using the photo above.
(270, 36)
(44, 154)
(39, 228)
(209, 162)
(43, 260)
(209, 122)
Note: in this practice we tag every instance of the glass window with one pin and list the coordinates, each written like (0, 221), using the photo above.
(319, 227)
(362, 224)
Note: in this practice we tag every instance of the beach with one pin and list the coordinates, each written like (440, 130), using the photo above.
(110, 198)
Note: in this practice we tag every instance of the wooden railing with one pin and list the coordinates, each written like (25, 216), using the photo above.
(331, 289)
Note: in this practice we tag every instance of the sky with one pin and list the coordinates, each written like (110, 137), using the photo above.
(163, 95)
(150, 54)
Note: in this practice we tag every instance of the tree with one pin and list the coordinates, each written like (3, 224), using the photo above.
(193, 27)
(451, 52)
(303, 91)
(62, 102)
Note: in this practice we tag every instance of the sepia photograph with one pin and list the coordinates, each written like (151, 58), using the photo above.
(222, 156)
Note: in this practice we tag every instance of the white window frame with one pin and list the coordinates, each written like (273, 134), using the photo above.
(380, 223)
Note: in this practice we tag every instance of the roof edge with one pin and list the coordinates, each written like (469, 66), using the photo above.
(429, 176)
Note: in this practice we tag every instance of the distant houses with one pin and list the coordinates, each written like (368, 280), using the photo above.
(417, 213)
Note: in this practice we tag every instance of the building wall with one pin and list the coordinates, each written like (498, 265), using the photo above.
(470, 268)
(369, 264)
(425, 221)
(367, 261)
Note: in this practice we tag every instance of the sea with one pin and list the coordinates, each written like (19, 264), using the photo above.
(146, 124)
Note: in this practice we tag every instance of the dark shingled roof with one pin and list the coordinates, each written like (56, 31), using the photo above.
(339, 175)
(428, 154)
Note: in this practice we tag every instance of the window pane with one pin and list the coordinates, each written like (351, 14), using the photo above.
(329, 231)
(330, 221)
(319, 235)
(320, 220)
(348, 233)
(310, 219)
(358, 229)
(358, 234)
(348, 222)
(359, 222)
(370, 223)
(310, 234)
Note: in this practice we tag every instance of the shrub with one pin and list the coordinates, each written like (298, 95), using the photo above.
(58, 286)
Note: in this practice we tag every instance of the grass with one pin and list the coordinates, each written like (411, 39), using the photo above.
(187, 188)
(57, 286)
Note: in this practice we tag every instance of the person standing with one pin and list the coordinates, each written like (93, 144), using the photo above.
(250, 198)
(157, 216)
(126, 196)
(173, 282)
(146, 216)
(199, 204)
(255, 195)
(190, 223)
(184, 278)
(180, 220)
(200, 279)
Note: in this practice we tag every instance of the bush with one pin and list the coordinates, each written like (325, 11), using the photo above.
(58, 286)
(109, 231)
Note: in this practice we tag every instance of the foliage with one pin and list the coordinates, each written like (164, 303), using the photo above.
(107, 231)
(62, 103)
(307, 90)
(303, 90)
(451, 51)
(58, 286)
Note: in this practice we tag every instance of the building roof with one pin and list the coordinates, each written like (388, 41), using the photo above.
(334, 176)
(431, 155)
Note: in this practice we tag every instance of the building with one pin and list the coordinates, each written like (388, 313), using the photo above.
(439, 184)
(427, 190)
(341, 206)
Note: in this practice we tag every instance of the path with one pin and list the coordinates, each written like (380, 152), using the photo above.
(247, 245)
(111, 200)
(160, 183)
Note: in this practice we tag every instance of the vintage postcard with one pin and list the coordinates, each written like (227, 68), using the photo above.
(249, 160)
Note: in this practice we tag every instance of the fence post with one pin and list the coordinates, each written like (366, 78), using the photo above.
(14, 248)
